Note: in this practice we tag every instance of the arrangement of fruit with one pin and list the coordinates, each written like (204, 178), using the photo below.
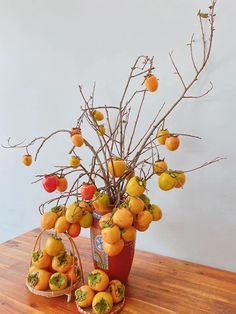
(100, 294)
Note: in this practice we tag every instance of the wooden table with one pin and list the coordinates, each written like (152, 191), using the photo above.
(157, 284)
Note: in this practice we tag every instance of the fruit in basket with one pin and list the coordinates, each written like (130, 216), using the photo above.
(136, 204)
(74, 161)
(86, 219)
(39, 279)
(135, 186)
(40, 259)
(62, 184)
(167, 181)
(48, 220)
(32, 269)
(172, 143)
(98, 280)
(50, 183)
(73, 213)
(116, 167)
(117, 290)
(162, 135)
(123, 217)
(87, 191)
(58, 281)
(113, 249)
(27, 160)
(111, 234)
(156, 212)
(84, 296)
(73, 274)
(74, 230)
(62, 262)
(151, 83)
(160, 166)
(102, 303)
(128, 234)
(54, 245)
(180, 179)
(77, 140)
(100, 201)
(61, 225)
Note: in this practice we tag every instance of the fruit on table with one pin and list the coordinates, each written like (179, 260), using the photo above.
(77, 140)
(113, 249)
(74, 230)
(62, 262)
(86, 219)
(102, 303)
(123, 217)
(128, 234)
(48, 220)
(50, 183)
(62, 184)
(73, 213)
(117, 290)
(111, 234)
(73, 274)
(136, 204)
(135, 186)
(84, 296)
(98, 280)
(27, 160)
(74, 161)
(87, 191)
(98, 115)
(106, 221)
(100, 202)
(180, 179)
(162, 135)
(151, 83)
(58, 281)
(156, 212)
(61, 225)
(172, 143)
(101, 130)
(39, 279)
(167, 181)
(54, 245)
(40, 259)
(160, 166)
(116, 167)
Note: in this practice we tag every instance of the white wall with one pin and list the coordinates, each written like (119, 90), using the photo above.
(48, 47)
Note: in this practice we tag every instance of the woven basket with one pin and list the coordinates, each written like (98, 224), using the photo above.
(117, 308)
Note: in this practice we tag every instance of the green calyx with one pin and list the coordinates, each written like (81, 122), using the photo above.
(80, 295)
(102, 306)
(58, 280)
(37, 255)
(94, 278)
(33, 279)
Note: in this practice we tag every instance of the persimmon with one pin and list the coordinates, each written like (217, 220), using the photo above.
(40, 259)
(180, 179)
(136, 205)
(59, 210)
(123, 217)
(74, 230)
(113, 249)
(117, 290)
(86, 205)
(75, 131)
(58, 281)
(61, 225)
(106, 221)
(98, 115)
(77, 140)
(54, 245)
(160, 166)
(141, 228)
(98, 280)
(100, 202)
(116, 167)
(73, 213)
(172, 143)
(151, 83)
(102, 303)
(62, 262)
(135, 186)
(73, 274)
(74, 161)
(48, 220)
(101, 130)
(156, 212)
(162, 135)
(86, 219)
(167, 181)
(27, 160)
(128, 234)
(111, 234)
(39, 279)
(144, 218)
(84, 296)
(62, 184)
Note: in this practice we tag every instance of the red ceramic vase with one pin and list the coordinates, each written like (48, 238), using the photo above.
(116, 267)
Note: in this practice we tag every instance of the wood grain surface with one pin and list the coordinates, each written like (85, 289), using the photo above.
(157, 284)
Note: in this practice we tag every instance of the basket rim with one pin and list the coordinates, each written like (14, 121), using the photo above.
(119, 307)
